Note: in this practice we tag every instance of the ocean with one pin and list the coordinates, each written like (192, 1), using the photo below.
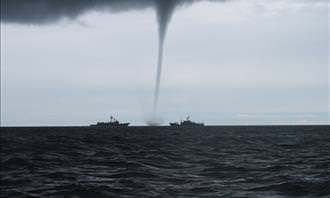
(224, 161)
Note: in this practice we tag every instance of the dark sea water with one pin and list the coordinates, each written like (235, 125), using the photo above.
(166, 162)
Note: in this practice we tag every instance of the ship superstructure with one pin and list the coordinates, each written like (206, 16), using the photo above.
(186, 122)
(112, 123)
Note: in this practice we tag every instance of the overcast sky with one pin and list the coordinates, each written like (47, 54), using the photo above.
(236, 62)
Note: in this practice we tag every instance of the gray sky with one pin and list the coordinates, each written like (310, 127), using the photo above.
(242, 62)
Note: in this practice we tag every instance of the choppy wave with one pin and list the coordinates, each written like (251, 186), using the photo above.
(166, 162)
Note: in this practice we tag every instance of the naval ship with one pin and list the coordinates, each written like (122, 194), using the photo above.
(112, 123)
(186, 122)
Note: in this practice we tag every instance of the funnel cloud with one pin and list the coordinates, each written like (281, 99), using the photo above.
(164, 14)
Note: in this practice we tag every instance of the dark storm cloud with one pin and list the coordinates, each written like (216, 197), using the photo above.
(49, 11)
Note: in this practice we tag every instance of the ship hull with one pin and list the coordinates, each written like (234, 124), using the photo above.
(110, 125)
(187, 125)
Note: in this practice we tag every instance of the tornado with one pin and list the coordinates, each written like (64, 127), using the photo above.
(164, 11)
